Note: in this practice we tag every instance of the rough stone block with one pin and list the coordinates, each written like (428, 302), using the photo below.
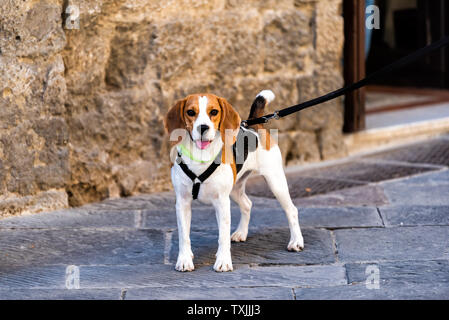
(411, 243)
(242, 276)
(397, 280)
(179, 293)
(329, 28)
(385, 292)
(334, 218)
(133, 49)
(263, 246)
(365, 171)
(411, 194)
(227, 33)
(301, 185)
(325, 217)
(299, 147)
(284, 34)
(415, 215)
(31, 29)
(367, 195)
(439, 178)
(75, 218)
(60, 294)
(32, 277)
(403, 272)
(26, 248)
(42, 201)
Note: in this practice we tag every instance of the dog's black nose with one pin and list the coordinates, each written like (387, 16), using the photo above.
(203, 128)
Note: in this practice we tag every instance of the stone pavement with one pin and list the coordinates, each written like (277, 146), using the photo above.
(365, 238)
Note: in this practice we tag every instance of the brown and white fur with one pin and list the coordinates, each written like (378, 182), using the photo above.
(224, 183)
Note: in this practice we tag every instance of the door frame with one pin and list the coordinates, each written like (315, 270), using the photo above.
(354, 64)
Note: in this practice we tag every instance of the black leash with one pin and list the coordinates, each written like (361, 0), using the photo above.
(197, 180)
(354, 86)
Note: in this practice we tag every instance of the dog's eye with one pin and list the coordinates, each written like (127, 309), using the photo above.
(214, 112)
(190, 113)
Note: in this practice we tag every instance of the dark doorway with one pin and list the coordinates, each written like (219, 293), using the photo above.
(405, 26)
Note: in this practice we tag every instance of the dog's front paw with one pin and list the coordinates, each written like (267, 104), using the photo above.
(296, 244)
(239, 236)
(185, 263)
(223, 263)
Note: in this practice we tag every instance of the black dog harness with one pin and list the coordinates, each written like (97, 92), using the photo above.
(240, 149)
(197, 180)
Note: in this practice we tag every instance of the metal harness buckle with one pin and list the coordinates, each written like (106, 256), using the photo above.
(265, 119)
(275, 116)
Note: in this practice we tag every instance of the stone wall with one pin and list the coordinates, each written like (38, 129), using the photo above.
(81, 109)
(34, 136)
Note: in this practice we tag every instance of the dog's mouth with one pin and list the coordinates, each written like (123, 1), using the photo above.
(202, 144)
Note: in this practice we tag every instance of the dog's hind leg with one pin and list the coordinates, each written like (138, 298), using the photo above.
(273, 173)
(239, 196)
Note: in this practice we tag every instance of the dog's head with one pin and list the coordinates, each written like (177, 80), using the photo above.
(205, 117)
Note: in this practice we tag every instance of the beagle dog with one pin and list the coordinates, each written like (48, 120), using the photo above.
(213, 157)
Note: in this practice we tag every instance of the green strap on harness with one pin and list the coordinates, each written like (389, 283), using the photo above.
(183, 150)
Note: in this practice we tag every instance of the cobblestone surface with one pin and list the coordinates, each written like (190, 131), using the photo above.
(375, 240)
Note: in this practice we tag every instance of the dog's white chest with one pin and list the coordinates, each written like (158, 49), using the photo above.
(218, 184)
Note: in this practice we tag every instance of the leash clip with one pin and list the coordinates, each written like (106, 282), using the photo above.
(265, 119)
(275, 116)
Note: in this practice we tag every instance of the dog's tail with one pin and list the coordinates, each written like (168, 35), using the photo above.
(258, 107)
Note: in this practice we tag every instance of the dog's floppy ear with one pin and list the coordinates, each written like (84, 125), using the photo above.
(175, 117)
(230, 120)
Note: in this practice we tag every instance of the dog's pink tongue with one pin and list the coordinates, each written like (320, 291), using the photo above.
(202, 144)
